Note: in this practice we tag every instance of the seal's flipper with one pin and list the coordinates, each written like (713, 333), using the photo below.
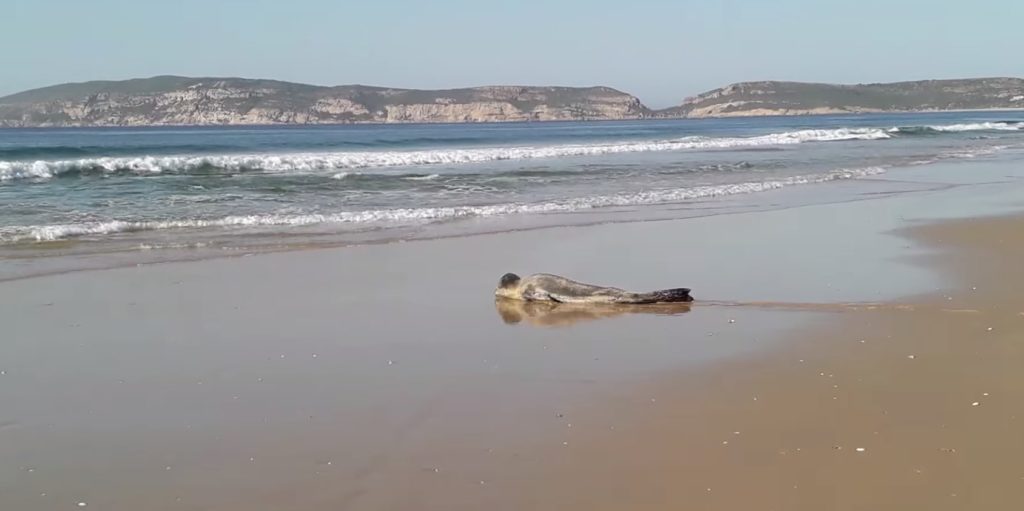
(680, 294)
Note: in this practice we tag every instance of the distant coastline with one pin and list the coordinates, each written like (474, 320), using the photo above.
(183, 101)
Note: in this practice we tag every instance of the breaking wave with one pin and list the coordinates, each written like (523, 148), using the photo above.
(418, 215)
(335, 161)
(18, 163)
(417, 177)
(955, 128)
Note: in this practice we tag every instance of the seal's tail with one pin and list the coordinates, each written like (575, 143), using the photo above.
(679, 294)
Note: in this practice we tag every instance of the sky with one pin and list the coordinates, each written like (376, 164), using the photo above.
(660, 50)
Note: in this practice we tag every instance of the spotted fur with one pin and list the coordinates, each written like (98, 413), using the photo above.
(543, 287)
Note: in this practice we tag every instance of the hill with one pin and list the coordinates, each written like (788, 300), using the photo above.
(796, 98)
(176, 100)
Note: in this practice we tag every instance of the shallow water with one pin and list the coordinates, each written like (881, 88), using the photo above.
(207, 190)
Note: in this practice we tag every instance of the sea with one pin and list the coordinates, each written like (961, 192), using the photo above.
(95, 197)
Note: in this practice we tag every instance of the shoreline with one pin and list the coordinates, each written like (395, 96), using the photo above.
(649, 214)
(896, 180)
(194, 224)
(382, 377)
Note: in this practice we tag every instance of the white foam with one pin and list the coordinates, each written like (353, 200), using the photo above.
(313, 162)
(974, 126)
(28, 170)
(430, 177)
(418, 215)
(197, 245)
(980, 126)
(974, 153)
(961, 154)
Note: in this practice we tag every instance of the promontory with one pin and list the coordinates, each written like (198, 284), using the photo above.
(176, 100)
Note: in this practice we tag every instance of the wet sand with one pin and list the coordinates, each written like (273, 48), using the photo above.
(916, 407)
(385, 377)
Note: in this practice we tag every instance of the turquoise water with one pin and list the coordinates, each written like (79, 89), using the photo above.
(120, 189)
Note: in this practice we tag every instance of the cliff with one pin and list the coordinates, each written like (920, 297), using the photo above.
(173, 100)
(795, 98)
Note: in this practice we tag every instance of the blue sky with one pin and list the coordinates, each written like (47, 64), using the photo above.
(659, 50)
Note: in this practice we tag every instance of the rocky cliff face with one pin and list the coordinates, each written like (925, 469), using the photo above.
(793, 98)
(173, 100)
(215, 101)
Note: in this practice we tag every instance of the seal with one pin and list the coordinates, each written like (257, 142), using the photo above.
(544, 287)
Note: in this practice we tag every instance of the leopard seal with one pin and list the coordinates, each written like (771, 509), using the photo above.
(544, 287)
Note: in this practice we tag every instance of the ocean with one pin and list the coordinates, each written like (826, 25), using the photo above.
(109, 193)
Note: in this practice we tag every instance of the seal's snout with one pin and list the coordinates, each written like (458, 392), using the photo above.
(508, 285)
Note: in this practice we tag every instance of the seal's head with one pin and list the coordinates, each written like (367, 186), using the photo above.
(508, 285)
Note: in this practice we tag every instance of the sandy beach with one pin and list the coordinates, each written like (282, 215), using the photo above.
(910, 407)
(879, 368)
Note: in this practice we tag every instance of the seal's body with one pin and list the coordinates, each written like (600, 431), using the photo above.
(552, 288)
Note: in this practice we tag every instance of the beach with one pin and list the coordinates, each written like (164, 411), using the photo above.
(909, 407)
(852, 354)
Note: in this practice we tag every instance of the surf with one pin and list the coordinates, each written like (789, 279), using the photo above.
(13, 234)
(339, 161)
